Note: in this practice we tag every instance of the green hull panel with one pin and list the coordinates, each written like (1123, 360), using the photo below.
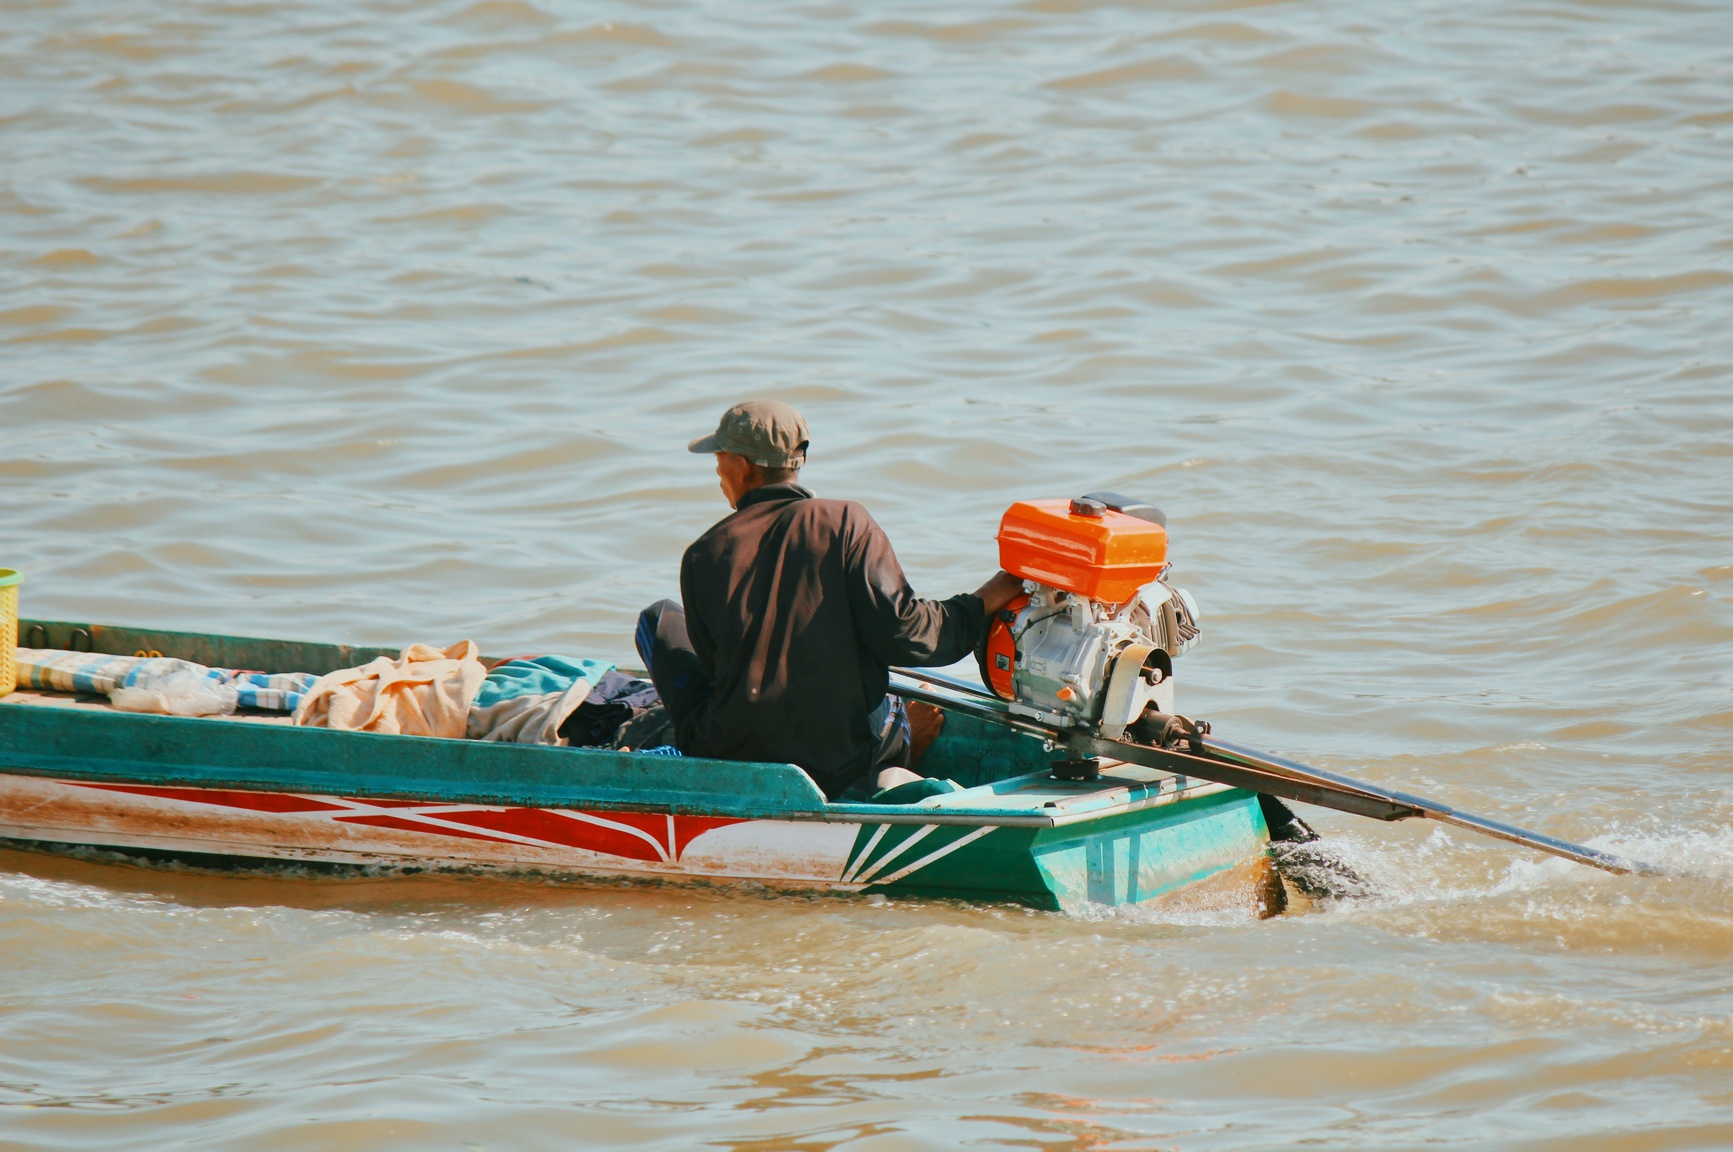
(1126, 860)
(1123, 859)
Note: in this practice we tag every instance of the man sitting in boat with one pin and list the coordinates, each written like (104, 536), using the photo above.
(795, 610)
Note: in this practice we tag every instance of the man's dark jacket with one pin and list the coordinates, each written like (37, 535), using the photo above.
(797, 607)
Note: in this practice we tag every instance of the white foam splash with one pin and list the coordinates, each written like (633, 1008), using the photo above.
(1450, 868)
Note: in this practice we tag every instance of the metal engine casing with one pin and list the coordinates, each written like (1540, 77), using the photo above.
(1082, 662)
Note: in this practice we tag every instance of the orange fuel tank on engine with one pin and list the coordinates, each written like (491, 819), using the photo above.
(1082, 546)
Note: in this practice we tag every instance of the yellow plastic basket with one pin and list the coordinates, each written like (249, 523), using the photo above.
(9, 581)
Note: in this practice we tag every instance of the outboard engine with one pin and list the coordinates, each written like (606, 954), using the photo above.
(1092, 640)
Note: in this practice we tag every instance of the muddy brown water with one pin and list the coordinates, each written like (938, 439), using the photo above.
(388, 322)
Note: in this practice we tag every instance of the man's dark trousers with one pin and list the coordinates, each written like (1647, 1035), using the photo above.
(680, 677)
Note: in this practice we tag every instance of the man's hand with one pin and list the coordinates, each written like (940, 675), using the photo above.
(1000, 591)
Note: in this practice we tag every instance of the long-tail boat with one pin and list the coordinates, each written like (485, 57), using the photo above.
(253, 787)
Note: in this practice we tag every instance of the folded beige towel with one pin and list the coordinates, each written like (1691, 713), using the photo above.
(424, 692)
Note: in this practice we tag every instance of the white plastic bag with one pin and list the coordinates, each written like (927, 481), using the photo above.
(181, 693)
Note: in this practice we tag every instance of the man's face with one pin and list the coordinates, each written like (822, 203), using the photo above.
(734, 471)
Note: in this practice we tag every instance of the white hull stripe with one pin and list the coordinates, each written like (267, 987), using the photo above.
(865, 853)
(865, 876)
(932, 856)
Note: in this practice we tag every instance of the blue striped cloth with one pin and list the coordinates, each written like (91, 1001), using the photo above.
(58, 670)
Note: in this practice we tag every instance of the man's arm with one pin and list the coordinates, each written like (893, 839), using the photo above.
(999, 591)
(895, 625)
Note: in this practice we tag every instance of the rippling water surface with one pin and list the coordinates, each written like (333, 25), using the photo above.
(386, 321)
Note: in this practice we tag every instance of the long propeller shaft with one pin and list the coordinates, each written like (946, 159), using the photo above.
(1231, 764)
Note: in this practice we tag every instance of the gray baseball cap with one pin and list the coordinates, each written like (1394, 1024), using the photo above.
(769, 433)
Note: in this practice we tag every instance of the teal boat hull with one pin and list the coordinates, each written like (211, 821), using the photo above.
(75, 772)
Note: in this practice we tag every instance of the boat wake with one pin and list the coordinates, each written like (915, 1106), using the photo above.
(1456, 886)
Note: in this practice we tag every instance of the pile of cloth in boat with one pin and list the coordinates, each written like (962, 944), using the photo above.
(425, 691)
(161, 683)
(428, 691)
